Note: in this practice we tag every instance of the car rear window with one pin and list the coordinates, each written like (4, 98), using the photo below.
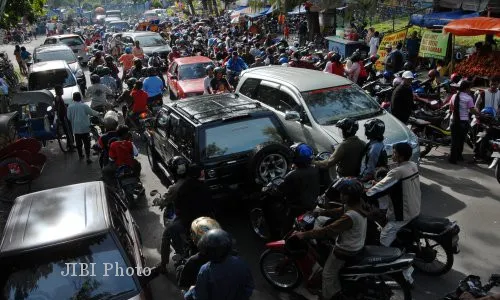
(239, 136)
(50, 78)
(41, 274)
(72, 41)
(193, 71)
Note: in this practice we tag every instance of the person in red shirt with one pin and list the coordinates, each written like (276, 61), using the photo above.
(122, 152)
(140, 99)
(174, 54)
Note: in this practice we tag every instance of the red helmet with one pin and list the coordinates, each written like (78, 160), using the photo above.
(455, 78)
(374, 58)
(330, 54)
(433, 73)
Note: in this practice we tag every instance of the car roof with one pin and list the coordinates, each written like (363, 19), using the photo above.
(191, 60)
(63, 36)
(302, 79)
(49, 65)
(139, 33)
(52, 47)
(54, 216)
(209, 108)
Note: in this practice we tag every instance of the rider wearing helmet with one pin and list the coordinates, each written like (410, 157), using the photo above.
(402, 183)
(350, 229)
(95, 61)
(174, 54)
(374, 154)
(208, 79)
(98, 93)
(137, 70)
(127, 60)
(301, 185)
(122, 152)
(225, 276)
(186, 274)
(349, 152)
(110, 124)
(107, 80)
(388, 76)
(153, 85)
(402, 98)
(191, 200)
(236, 65)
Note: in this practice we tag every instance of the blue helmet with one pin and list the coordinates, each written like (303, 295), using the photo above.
(388, 75)
(283, 60)
(302, 153)
(488, 111)
(128, 50)
(420, 91)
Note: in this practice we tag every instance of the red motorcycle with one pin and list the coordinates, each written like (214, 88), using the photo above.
(380, 273)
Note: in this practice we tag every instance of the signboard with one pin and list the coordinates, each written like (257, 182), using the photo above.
(393, 39)
(433, 45)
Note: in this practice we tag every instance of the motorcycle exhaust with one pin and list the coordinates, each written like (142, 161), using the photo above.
(493, 163)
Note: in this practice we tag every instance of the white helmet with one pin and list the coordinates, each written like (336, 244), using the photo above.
(407, 75)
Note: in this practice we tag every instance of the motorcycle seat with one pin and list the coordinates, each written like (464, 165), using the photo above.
(430, 224)
(419, 122)
(378, 255)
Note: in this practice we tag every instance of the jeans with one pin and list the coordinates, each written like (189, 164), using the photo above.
(172, 235)
(83, 139)
(331, 278)
(458, 134)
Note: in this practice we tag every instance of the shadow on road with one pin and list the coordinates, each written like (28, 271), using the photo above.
(438, 203)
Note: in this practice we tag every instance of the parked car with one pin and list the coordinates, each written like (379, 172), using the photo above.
(71, 241)
(310, 102)
(58, 52)
(119, 25)
(185, 76)
(48, 74)
(235, 141)
(74, 41)
(149, 41)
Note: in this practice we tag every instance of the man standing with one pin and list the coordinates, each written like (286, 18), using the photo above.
(412, 46)
(402, 98)
(302, 33)
(389, 59)
(399, 59)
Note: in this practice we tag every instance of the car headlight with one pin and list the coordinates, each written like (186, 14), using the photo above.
(413, 140)
(79, 73)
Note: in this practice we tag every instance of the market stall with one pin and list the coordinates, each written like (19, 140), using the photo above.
(342, 46)
(485, 62)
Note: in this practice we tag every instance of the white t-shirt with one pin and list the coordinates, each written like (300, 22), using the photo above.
(374, 42)
(328, 67)
(353, 72)
(206, 84)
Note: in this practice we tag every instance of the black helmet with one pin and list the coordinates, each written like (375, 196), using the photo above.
(152, 71)
(108, 58)
(216, 245)
(105, 71)
(209, 67)
(374, 129)
(178, 165)
(94, 79)
(131, 82)
(349, 126)
(408, 66)
(302, 153)
(219, 70)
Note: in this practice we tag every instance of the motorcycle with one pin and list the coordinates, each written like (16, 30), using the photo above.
(432, 129)
(379, 273)
(129, 185)
(484, 129)
(495, 146)
(472, 285)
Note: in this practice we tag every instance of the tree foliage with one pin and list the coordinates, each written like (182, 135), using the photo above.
(15, 10)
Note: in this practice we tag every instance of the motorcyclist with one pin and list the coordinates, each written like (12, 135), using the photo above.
(95, 61)
(191, 200)
(349, 230)
(98, 93)
(301, 186)
(235, 64)
(139, 104)
(225, 276)
(156, 63)
(403, 185)
(186, 274)
(137, 70)
(374, 154)
(122, 152)
(107, 80)
(110, 124)
(174, 54)
(349, 152)
(153, 85)
(127, 60)
(219, 84)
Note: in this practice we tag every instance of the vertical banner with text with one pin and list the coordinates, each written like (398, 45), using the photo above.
(392, 39)
(434, 45)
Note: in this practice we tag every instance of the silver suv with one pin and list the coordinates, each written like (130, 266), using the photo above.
(310, 103)
(74, 41)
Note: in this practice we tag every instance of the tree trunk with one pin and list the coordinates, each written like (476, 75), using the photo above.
(191, 7)
(209, 6)
(216, 9)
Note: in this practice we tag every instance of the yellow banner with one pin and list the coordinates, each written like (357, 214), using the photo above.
(392, 39)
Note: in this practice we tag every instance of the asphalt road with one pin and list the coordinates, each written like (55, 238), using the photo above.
(467, 193)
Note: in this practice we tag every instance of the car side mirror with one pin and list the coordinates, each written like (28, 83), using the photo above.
(291, 115)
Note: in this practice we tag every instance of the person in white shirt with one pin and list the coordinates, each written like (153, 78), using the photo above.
(374, 43)
(353, 69)
(208, 79)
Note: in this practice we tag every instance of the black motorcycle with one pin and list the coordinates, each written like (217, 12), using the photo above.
(129, 185)
(472, 285)
(484, 129)
(495, 146)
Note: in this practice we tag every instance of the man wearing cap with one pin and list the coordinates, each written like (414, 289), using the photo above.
(235, 64)
(402, 98)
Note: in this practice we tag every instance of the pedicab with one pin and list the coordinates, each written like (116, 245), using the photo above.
(38, 119)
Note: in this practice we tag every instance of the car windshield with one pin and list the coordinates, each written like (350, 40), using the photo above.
(49, 79)
(327, 106)
(72, 41)
(66, 55)
(240, 136)
(42, 276)
(150, 40)
(193, 71)
(119, 24)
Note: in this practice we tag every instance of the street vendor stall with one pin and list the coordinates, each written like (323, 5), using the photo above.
(485, 62)
(343, 47)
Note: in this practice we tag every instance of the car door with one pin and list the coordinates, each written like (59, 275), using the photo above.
(172, 77)
(162, 131)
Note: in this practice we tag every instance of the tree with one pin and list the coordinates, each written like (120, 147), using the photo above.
(215, 7)
(15, 10)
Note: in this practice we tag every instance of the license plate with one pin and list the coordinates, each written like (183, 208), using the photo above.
(495, 154)
(407, 274)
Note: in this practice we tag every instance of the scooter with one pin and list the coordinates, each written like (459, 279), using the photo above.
(495, 146)
(472, 285)
(432, 129)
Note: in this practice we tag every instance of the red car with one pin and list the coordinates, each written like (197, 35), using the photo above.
(185, 76)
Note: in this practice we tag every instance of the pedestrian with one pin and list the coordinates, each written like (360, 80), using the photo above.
(399, 59)
(402, 99)
(17, 54)
(34, 28)
(461, 104)
(62, 115)
(137, 50)
(78, 115)
(208, 79)
(374, 43)
(286, 31)
(412, 46)
(302, 33)
(25, 57)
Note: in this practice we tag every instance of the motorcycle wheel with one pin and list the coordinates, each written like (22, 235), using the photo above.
(427, 149)
(497, 172)
(259, 224)
(397, 287)
(428, 257)
(279, 270)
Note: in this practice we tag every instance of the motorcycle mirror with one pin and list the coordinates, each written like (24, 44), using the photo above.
(49, 109)
(153, 193)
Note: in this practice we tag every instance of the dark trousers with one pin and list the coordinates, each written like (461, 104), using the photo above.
(458, 134)
(174, 234)
(83, 139)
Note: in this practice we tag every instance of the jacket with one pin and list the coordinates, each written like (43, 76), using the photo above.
(402, 103)
(237, 65)
(347, 157)
(301, 187)
(403, 186)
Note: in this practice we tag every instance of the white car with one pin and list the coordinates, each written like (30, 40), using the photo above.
(48, 74)
(74, 41)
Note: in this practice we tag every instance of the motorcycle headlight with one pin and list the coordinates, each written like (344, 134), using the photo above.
(413, 140)
(79, 73)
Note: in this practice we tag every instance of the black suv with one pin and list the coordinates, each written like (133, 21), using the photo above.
(237, 143)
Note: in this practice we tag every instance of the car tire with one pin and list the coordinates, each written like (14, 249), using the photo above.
(268, 160)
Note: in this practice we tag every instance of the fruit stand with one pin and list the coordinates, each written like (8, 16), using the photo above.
(483, 63)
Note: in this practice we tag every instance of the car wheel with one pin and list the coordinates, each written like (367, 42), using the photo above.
(269, 160)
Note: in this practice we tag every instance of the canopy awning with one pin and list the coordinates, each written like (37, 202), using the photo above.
(439, 19)
(249, 11)
(474, 26)
(300, 9)
(263, 12)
